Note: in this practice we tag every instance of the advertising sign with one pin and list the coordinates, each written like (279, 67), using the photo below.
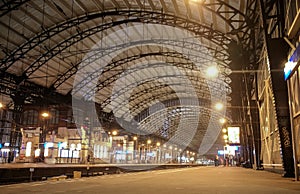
(233, 135)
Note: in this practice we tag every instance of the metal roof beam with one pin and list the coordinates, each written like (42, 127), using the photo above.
(10, 85)
(134, 16)
(8, 6)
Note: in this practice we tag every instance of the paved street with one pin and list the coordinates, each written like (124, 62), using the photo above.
(188, 180)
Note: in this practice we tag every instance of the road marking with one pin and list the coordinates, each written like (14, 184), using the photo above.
(37, 184)
(169, 171)
(8, 186)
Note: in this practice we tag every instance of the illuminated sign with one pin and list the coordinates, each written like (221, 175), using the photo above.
(75, 154)
(288, 69)
(230, 150)
(220, 152)
(292, 63)
(233, 135)
(78, 146)
(28, 149)
(73, 146)
(37, 152)
(48, 144)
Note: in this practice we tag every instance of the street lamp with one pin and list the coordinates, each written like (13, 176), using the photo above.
(45, 114)
(222, 120)
(219, 106)
(114, 132)
(212, 71)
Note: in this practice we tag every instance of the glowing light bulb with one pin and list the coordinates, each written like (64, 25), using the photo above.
(212, 71)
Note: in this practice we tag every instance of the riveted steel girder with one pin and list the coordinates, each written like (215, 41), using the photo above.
(273, 24)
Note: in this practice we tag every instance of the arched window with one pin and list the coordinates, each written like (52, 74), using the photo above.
(70, 118)
(78, 115)
(30, 117)
(54, 116)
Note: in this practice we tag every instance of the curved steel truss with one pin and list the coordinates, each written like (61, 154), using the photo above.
(220, 57)
(45, 44)
(130, 16)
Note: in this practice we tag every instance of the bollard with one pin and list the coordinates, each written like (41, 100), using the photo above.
(31, 170)
(76, 174)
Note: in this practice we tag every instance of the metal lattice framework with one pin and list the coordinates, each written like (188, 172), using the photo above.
(220, 56)
(45, 45)
(8, 6)
(135, 16)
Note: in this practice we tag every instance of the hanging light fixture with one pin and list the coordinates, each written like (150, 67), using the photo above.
(45, 115)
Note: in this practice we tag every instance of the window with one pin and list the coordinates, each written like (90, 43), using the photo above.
(54, 116)
(30, 117)
(292, 8)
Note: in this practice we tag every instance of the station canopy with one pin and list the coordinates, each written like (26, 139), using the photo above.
(150, 63)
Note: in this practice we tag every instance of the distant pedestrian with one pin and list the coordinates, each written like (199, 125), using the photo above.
(230, 160)
(5, 157)
(88, 158)
(227, 161)
(216, 160)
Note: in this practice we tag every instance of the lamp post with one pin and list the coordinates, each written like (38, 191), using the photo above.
(45, 116)
(113, 153)
(1, 114)
(171, 150)
(135, 151)
(88, 128)
(158, 152)
(148, 149)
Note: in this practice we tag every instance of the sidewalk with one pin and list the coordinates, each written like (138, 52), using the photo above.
(200, 180)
